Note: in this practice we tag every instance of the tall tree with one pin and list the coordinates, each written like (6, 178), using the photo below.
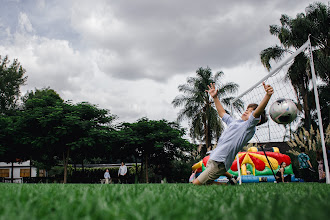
(155, 142)
(11, 78)
(36, 132)
(293, 33)
(58, 130)
(198, 107)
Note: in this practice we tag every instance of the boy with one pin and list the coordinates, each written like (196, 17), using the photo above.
(233, 139)
(107, 176)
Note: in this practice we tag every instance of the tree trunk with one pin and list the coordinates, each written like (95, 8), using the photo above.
(206, 132)
(307, 112)
(141, 170)
(136, 170)
(12, 172)
(31, 167)
(147, 180)
(65, 163)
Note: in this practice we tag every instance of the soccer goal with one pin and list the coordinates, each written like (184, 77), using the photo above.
(277, 78)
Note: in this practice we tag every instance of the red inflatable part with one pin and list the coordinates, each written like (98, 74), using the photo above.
(205, 159)
(259, 164)
(234, 165)
(278, 156)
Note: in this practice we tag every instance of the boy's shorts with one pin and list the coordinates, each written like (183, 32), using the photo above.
(212, 172)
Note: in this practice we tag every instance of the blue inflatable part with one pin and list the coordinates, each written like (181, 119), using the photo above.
(255, 179)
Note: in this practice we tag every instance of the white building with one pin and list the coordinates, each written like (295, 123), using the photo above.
(18, 170)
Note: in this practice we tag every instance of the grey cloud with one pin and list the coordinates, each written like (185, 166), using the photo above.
(65, 44)
(175, 37)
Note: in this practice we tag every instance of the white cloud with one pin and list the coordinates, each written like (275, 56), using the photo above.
(130, 56)
(24, 23)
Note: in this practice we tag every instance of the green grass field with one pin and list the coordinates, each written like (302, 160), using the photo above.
(164, 201)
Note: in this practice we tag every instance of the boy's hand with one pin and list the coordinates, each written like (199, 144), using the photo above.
(212, 91)
(269, 89)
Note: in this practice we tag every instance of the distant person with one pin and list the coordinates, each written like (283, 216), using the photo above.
(305, 165)
(122, 172)
(107, 176)
(280, 174)
(320, 161)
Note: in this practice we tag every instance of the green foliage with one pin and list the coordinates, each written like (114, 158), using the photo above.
(11, 78)
(311, 141)
(52, 130)
(164, 201)
(153, 142)
(49, 131)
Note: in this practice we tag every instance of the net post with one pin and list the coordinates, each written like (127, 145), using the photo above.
(238, 170)
(317, 102)
(238, 166)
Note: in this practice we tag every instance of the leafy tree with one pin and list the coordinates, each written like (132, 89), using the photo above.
(155, 142)
(39, 145)
(12, 148)
(93, 132)
(58, 130)
(324, 94)
(292, 34)
(7, 138)
(198, 107)
(11, 78)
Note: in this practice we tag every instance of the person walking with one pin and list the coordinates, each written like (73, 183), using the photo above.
(305, 165)
(107, 176)
(122, 172)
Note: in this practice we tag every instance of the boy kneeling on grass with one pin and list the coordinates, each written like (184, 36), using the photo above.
(234, 138)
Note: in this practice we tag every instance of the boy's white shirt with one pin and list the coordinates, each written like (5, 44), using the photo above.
(233, 139)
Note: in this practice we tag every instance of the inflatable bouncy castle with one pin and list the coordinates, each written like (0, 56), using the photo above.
(254, 166)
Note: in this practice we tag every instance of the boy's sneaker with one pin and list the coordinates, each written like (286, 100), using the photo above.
(233, 180)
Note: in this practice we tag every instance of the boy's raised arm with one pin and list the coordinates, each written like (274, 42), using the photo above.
(261, 107)
(214, 94)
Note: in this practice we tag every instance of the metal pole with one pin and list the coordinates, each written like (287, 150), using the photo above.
(325, 159)
(270, 164)
(239, 171)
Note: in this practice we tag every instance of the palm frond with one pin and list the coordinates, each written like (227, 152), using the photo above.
(271, 53)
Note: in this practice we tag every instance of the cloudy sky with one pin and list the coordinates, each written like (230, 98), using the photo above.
(130, 56)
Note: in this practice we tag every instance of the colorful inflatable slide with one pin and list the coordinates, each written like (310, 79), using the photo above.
(254, 166)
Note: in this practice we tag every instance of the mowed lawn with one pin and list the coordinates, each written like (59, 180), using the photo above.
(164, 201)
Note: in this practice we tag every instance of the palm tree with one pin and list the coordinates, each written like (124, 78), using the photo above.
(292, 34)
(198, 107)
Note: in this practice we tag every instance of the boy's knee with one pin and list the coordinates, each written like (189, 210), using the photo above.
(196, 182)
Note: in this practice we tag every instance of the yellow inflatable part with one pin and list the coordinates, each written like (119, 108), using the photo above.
(197, 165)
(253, 149)
(243, 170)
(276, 150)
(247, 159)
